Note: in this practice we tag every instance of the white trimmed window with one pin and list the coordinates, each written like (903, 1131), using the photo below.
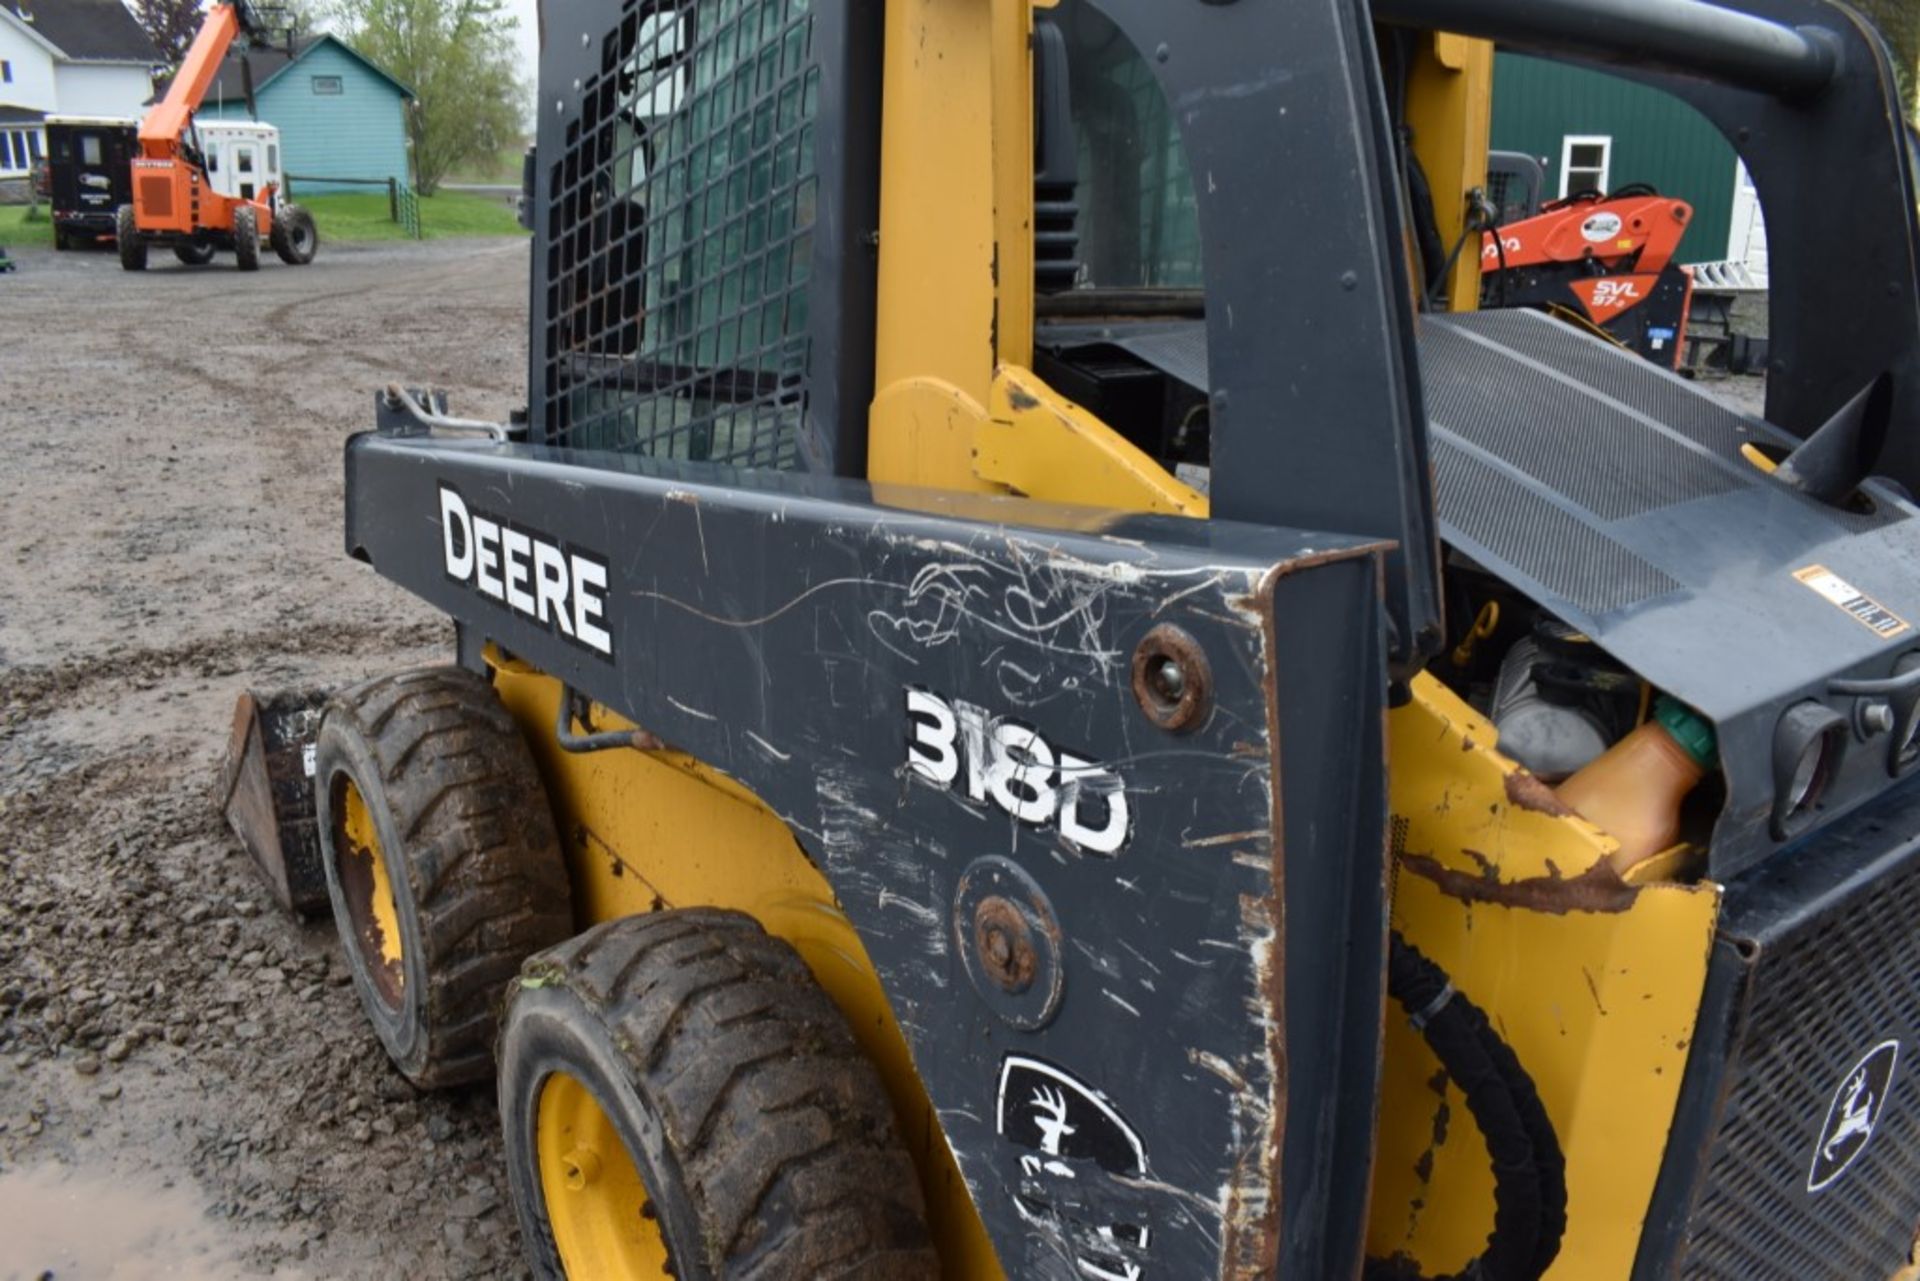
(1586, 163)
(19, 148)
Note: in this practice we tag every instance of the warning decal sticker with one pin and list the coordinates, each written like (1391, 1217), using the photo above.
(1869, 612)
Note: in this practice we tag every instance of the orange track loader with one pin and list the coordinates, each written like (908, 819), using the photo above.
(1603, 259)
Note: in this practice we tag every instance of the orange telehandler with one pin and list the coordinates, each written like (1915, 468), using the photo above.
(178, 200)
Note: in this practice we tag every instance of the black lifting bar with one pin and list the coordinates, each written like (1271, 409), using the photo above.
(1685, 36)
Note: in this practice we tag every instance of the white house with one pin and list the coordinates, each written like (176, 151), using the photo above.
(66, 58)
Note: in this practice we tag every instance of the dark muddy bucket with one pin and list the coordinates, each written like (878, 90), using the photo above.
(268, 793)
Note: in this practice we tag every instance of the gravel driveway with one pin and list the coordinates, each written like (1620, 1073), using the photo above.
(187, 1086)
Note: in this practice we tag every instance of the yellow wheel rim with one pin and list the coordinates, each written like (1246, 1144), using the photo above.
(364, 876)
(603, 1220)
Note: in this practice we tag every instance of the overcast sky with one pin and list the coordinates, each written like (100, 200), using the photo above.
(529, 37)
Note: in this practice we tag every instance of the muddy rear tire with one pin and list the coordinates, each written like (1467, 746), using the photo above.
(194, 253)
(680, 1097)
(246, 238)
(294, 236)
(441, 861)
(127, 238)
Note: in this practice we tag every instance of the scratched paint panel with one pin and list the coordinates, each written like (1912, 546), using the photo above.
(1600, 1009)
(1594, 983)
(1475, 813)
(776, 633)
(1037, 638)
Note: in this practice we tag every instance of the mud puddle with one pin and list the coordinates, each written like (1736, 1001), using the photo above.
(58, 1222)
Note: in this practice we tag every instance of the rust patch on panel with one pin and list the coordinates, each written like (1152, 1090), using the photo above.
(1598, 889)
(1250, 1231)
(1529, 793)
(1005, 945)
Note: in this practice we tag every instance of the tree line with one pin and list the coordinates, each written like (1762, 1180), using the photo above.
(458, 57)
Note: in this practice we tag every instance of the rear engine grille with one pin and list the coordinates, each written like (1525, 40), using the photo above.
(1568, 557)
(1664, 398)
(1613, 463)
(156, 195)
(1809, 997)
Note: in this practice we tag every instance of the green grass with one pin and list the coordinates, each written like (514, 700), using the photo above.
(345, 218)
(503, 168)
(351, 216)
(15, 230)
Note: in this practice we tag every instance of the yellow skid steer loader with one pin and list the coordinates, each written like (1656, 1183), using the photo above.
(1027, 704)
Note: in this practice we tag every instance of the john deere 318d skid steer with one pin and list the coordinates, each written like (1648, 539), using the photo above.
(1027, 705)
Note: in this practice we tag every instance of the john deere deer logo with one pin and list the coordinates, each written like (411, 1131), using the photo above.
(1856, 1117)
(1067, 1133)
(1050, 1114)
(1853, 1115)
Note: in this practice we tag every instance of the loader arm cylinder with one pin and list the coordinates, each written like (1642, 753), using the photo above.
(1685, 36)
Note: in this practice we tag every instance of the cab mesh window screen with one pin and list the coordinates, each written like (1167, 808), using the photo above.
(681, 220)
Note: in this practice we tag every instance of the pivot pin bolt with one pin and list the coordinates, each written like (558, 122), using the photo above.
(1171, 679)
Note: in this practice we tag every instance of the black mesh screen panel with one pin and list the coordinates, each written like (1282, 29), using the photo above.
(1570, 558)
(681, 288)
(1831, 991)
(1795, 1153)
(1663, 398)
(1591, 449)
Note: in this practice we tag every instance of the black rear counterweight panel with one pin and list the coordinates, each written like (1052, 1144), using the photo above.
(1222, 956)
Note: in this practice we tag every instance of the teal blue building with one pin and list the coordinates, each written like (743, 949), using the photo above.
(339, 115)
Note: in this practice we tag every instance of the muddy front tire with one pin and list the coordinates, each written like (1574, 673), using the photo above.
(441, 861)
(128, 240)
(246, 238)
(681, 1098)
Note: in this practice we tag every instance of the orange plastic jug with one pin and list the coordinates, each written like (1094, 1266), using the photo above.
(1634, 790)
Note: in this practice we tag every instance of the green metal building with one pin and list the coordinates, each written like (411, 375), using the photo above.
(1595, 130)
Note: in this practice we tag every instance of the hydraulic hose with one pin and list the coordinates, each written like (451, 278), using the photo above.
(1481, 218)
(1436, 264)
(1529, 1170)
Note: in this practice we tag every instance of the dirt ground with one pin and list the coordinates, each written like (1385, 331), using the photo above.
(187, 1086)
